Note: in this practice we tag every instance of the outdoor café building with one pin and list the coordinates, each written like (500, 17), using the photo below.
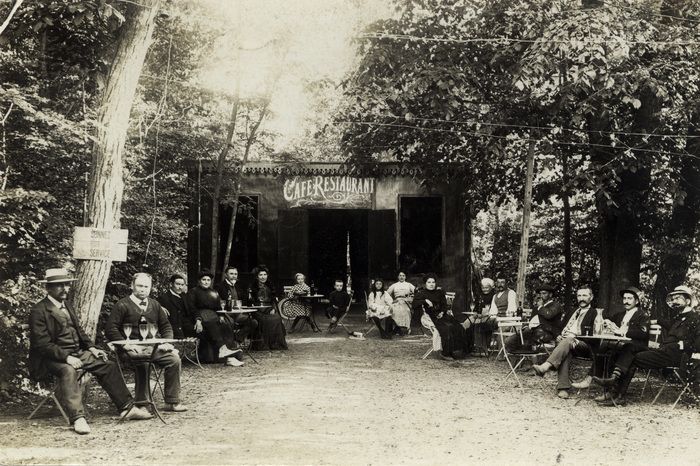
(331, 221)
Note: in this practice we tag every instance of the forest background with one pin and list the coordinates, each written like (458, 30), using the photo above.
(604, 95)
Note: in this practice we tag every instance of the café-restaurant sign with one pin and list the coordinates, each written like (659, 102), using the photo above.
(339, 192)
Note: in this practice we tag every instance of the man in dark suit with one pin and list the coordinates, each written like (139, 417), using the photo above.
(175, 307)
(129, 310)
(60, 347)
(547, 325)
(231, 291)
(682, 338)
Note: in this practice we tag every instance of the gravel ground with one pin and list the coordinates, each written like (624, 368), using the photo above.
(331, 400)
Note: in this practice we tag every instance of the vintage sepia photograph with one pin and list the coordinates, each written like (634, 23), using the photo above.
(349, 232)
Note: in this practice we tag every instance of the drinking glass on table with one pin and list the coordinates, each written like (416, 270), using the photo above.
(239, 304)
(127, 330)
(222, 303)
(152, 329)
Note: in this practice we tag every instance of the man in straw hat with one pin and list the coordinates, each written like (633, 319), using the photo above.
(682, 336)
(59, 347)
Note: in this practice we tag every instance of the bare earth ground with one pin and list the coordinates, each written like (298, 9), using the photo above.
(330, 400)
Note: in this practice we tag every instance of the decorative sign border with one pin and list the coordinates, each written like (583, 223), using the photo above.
(334, 192)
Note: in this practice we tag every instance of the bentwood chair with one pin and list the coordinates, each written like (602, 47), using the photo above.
(51, 387)
(436, 343)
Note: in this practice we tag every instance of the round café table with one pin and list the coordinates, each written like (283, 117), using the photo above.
(244, 310)
(599, 341)
(142, 372)
(311, 318)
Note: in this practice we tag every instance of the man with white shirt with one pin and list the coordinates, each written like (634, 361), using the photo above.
(230, 290)
(504, 303)
(129, 310)
(568, 345)
(682, 336)
(60, 347)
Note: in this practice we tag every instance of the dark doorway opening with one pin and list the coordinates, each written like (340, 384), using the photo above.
(421, 235)
(328, 248)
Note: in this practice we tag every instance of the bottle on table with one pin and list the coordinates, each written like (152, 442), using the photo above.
(143, 327)
(598, 322)
(312, 289)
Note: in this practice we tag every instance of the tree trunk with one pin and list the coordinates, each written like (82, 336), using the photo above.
(249, 143)
(682, 230)
(525, 237)
(568, 274)
(106, 185)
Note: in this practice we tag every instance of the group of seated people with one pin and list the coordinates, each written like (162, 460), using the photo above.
(59, 347)
(549, 323)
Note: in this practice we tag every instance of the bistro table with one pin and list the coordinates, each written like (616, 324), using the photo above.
(142, 372)
(311, 318)
(602, 346)
(245, 310)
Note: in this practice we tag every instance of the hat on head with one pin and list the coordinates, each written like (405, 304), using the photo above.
(57, 276)
(634, 290)
(686, 291)
(545, 287)
(205, 273)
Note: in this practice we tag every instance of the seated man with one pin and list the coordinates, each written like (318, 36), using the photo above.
(504, 303)
(175, 307)
(545, 328)
(59, 347)
(339, 300)
(567, 343)
(682, 336)
(129, 310)
(230, 290)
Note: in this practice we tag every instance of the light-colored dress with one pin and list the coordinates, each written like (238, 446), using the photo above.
(379, 304)
(402, 295)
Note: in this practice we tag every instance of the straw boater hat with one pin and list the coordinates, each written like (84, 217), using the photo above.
(57, 276)
(686, 291)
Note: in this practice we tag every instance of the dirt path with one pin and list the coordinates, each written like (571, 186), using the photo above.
(338, 401)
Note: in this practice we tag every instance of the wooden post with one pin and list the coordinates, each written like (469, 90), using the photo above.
(527, 204)
(106, 186)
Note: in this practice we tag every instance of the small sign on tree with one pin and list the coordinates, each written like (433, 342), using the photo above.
(99, 244)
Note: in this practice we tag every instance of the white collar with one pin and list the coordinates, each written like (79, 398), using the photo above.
(173, 293)
(684, 311)
(632, 311)
(137, 301)
(550, 301)
(583, 309)
(56, 303)
(229, 282)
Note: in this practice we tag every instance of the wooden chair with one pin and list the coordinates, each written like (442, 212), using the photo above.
(51, 388)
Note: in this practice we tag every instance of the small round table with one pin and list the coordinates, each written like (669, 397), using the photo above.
(312, 316)
(142, 372)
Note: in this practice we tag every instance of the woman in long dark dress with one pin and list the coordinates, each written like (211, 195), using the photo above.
(271, 332)
(432, 301)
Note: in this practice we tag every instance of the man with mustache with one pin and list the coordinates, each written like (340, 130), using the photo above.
(60, 347)
(568, 345)
(682, 336)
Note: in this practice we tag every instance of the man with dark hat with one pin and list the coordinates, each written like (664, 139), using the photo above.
(545, 324)
(682, 336)
(60, 347)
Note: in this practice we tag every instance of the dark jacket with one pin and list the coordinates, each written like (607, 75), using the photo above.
(44, 329)
(224, 290)
(179, 316)
(550, 316)
(685, 328)
(638, 328)
(127, 311)
(200, 299)
(255, 295)
(436, 297)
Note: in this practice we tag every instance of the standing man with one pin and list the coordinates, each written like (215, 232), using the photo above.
(175, 307)
(567, 343)
(129, 310)
(230, 290)
(682, 336)
(546, 327)
(59, 347)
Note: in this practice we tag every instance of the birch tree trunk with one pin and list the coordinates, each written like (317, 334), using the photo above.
(106, 184)
(525, 238)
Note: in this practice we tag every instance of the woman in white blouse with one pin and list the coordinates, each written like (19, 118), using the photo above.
(401, 293)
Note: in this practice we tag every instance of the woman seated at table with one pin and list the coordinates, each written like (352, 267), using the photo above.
(401, 293)
(432, 301)
(300, 309)
(271, 332)
(212, 328)
(379, 309)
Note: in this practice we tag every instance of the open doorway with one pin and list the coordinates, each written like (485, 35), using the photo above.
(329, 231)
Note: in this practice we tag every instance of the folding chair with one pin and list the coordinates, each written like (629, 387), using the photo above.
(82, 382)
(192, 356)
(683, 377)
(515, 326)
(339, 322)
(371, 327)
(654, 336)
(436, 344)
(507, 326)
